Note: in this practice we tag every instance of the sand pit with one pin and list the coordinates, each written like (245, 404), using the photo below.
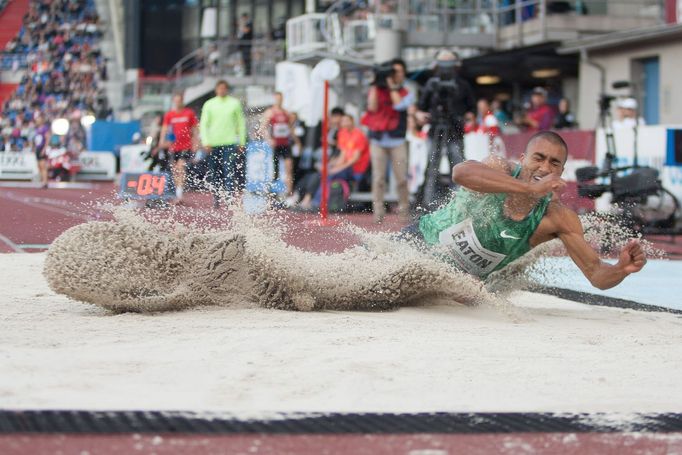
(547, 355)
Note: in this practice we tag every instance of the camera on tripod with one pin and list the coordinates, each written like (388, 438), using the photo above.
(639, 183)
(381, 74)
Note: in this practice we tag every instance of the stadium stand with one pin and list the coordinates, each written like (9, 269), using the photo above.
(56, 47)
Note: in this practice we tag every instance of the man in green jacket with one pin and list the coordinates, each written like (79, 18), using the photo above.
(222, 129)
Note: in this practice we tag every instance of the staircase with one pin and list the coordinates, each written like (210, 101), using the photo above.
(11, 19)
(6, 91)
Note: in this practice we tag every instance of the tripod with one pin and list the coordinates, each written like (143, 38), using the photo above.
(636, 190)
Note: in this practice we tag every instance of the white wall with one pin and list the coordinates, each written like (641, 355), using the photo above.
(617, 64)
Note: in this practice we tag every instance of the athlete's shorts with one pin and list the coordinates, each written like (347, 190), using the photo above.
(412, 234)
(282, 151)
(40, 155)
(185, 155)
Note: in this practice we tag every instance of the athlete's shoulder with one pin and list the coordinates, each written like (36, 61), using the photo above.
(499, 163)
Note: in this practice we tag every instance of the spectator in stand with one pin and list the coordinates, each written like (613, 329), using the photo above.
(502, 117)
(298, 137)
(486, 122)
(540, 116)
(178, 133)
(245, 37)
(354, 146)
(349, 165)
(564, 118)
(626, 116)
(213, 60)
(276, 125)
(386, 118)
(335, 117)
(60, 43)
(223, 136)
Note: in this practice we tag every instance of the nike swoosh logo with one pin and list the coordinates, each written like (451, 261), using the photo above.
(504, 235)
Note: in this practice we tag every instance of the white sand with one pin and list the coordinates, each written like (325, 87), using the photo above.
(557, 356)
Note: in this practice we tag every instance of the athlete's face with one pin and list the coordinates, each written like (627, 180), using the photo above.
(278, 100)
(177, 102)
(221, 90)
(542, 158)
(347, 122)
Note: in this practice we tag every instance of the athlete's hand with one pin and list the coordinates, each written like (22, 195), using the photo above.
(632, 258)
(549, 183)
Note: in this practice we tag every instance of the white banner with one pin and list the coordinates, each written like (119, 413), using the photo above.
(18, 166)
(132, 158)
(97, 166)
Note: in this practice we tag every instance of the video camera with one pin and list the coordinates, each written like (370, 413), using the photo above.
(381, 73)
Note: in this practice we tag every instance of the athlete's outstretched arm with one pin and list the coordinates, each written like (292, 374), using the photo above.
(493, 175)
(601, 274)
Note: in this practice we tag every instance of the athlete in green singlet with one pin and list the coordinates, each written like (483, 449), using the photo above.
(505, 209)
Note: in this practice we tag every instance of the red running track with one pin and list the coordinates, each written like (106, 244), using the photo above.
(31, 218)
(357, 444)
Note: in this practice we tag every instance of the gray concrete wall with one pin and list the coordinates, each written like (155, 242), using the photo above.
(618, 66)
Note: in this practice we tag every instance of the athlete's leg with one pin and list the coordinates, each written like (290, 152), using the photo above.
(179, 176)
(399, 165)
(43, 170)
(378, 156)
(289, 178)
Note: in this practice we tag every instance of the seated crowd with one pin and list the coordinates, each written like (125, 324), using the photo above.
(64, 68)
(59, 42)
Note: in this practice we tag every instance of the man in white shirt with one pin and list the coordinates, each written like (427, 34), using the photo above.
(627, 114)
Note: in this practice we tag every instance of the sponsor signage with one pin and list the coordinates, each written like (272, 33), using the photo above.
(97, 166)
(18, 166)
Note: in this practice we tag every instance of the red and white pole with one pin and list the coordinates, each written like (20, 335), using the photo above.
(325, 157)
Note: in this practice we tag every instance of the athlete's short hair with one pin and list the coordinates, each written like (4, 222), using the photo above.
(222, 82)
(552, 138)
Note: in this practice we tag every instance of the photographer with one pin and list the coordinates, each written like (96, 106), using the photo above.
(444, 102)
(386, 119)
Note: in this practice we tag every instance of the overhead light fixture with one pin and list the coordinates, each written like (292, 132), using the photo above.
(545, 73)
(488, 79)
(60, 126)
(87, 120)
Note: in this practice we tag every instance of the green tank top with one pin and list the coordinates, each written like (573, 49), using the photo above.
(475, 234)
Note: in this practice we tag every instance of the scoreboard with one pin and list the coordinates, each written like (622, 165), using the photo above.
(146, 186)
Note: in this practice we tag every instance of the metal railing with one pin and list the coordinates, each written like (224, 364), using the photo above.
(347, 30)
(234, 59)
(227, 58)
(13, 61)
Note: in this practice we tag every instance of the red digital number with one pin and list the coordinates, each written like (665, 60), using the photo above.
(144, 185)
(158, 184)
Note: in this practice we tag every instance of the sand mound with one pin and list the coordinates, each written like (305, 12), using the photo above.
(131, 265)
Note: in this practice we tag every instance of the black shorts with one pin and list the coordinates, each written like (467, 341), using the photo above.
(282, 151)
(41, 155)
(412, 234)
(185, 155)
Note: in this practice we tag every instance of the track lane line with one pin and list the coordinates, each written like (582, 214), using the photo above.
(11, 244)
(22, 200)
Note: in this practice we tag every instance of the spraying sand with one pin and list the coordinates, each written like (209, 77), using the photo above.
(131, 265)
